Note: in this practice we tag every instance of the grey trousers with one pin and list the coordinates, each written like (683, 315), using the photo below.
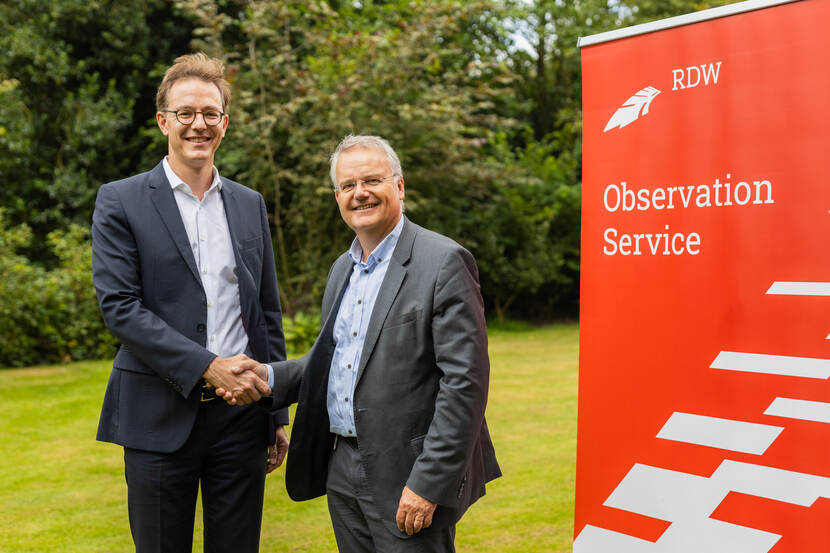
(357, 525)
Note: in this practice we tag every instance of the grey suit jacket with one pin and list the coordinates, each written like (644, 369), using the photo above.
(151, 298)
(421, 385)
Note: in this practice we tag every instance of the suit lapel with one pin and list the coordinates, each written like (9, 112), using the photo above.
(233, 215)
(162, 196)
(339, 278)
(395, 275)
(248, 292)
(323, 349)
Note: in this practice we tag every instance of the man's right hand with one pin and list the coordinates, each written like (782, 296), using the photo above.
(247, 366)
(242, 386)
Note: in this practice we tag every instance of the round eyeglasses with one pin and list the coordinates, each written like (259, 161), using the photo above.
(370, 183)
(187, 116)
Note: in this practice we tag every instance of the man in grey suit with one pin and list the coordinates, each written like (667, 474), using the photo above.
(390, 421)
(184, 270)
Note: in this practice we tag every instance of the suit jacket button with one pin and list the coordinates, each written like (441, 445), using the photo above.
(200, 327)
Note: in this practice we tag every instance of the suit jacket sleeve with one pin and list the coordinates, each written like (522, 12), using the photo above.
(269, 299)
(460, 343)
(115, 270)
(288, 376)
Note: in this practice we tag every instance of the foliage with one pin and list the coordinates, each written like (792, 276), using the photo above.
(422, 74)
(649, 10)
(76, 84)
(300, 331)
(528, 232)
(49, 315)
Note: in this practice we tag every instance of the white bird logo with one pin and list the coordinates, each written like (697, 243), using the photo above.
(630, 110)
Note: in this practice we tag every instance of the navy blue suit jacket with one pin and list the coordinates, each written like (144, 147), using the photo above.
(152, 299)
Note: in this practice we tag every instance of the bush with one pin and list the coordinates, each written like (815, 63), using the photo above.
(49, 316)
(300, 332)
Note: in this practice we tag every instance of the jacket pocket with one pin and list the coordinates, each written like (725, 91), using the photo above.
(126, 361)
(416, 445)
(251, 243)
(399, 320)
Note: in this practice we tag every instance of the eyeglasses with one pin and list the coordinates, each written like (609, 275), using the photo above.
(371, 182)
(187, 116)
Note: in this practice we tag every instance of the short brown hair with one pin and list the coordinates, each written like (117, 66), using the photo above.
(198, 66)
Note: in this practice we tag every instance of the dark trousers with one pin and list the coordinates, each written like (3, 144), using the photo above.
(226, 454)
(358, 527)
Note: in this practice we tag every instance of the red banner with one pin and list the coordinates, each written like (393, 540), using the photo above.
(704, 400)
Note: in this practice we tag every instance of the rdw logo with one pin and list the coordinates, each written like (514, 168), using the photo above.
(682, 78)
(632, 108)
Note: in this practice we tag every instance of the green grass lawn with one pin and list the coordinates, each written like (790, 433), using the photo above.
(61, 491)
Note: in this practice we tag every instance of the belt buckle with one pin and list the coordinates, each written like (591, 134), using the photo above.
(205, 399)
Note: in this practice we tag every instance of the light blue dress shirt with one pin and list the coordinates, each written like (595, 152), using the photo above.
(350, 328)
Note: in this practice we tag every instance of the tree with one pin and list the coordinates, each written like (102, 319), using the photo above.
(421, 74)
(643, 11)
(77, 81)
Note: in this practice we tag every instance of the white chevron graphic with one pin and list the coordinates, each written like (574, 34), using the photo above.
(800, 288)
(632, 108)
(687, 500)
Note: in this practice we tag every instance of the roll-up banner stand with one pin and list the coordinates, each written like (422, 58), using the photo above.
(704, 400)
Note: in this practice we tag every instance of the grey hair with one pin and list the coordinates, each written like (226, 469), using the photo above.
(364, 141)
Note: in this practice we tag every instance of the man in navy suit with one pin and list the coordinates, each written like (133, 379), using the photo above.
(184, 270)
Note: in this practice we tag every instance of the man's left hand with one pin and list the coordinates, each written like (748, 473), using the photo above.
(276, 452)
(414, 512)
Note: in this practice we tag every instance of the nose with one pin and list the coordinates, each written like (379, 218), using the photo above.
(360, 190)
(199, 121)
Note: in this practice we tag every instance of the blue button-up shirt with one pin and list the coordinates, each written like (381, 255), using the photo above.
(350, 328)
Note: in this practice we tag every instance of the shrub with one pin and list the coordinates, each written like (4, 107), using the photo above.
(49, 315)
(300, 332)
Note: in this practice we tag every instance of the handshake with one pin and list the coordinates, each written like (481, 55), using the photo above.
(238, 380)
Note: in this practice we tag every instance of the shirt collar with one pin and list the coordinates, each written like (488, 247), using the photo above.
(176, 182)
(383, 250)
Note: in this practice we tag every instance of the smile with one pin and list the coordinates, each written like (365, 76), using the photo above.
(364, 207)
(198, 139)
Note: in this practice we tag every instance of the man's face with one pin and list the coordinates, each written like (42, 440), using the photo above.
(192, 145)
(370, 212)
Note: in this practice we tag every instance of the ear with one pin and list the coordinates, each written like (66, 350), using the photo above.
(400, 188)
(224, 124)
(162, 122)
